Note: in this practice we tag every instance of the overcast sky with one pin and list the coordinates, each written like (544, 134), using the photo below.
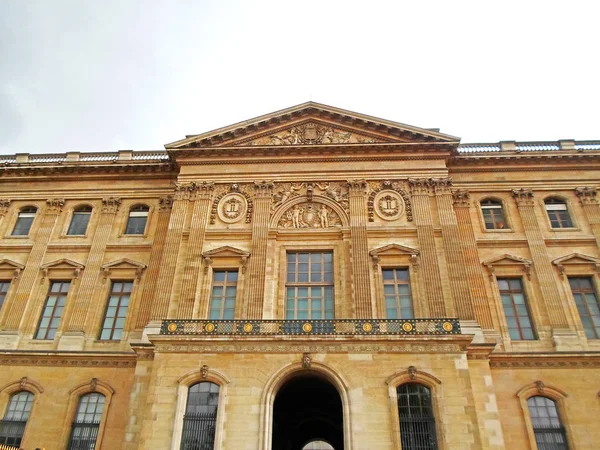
(109, 75)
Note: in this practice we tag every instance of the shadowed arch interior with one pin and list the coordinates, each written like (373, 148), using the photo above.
(307, 408)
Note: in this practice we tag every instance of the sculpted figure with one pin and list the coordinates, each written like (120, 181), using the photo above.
(285, 192)
(296, 216)
(323, 217)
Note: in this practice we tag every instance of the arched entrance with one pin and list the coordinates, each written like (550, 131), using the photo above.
(307, 408)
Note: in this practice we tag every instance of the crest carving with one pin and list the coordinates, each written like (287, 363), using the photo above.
(309, 215)
(232, 204)
(337, 192)
(389, 200)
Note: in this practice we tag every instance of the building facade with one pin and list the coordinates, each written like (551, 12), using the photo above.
(311, 278)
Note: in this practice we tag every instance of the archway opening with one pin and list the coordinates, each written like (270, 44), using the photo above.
(307, 409)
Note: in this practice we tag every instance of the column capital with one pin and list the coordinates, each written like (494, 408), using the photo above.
(441, 185)
(523, 197)
(263, 189)
(183, 191)
(461, 198)
(357, 187)
(55, 205)
(419, 186)
(4, 204)
(165, 203)
(204, 189)
(110, 205)
(587, 195)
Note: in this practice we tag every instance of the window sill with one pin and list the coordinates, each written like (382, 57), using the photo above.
(565, 229)
(499, 230)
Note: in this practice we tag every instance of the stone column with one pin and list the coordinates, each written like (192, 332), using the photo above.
(95, 258)
(541, 261)
(158, 245)
(420, 188)
(589, 202)
(359, 250)
(32, 267)
(455, 261)
(193, 261)
(474, 271)
(260, 233)
(166, 277)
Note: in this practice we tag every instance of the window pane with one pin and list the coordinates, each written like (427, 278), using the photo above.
(417, 423)
(53, 309)
(515, 308)
(4, 286)
(79, 222)
(547, 427)
(224, 292)
(309, 285)
(117, 306)
(587, 305)
(396, 288)
(199, 422)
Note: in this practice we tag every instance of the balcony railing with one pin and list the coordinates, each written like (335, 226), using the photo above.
(333, 327)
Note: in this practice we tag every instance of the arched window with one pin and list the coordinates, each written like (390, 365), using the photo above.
(136, 222)
(80, 221)
(417, 422)
(12, 426)
(24, 221)
(318, 445)
(549, 431)
(493, 215)
(558, 213)
(84, 431)
(200, 420)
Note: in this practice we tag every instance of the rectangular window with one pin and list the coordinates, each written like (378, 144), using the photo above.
(587, 305)
(24, 222)
(4, 286)
(116, 310)
(515, 308)
(396, 290)
(79, 222)
(309, 287)
(53, 309)
(224, 291)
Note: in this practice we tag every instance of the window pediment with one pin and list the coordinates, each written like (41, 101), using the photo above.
(394, 253)
(124, 264)
(64, 264)
(226, 254)
(508, 261)
(576, 261)
(10, 268)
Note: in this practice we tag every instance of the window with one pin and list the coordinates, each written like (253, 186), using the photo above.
(4, 287)
(224, 290)
(53, 309)
(136, 223)
(116, 310)
(417, 423)
(309, 287)
(587, 305)
(547, 427)
(558, 213)
(200, 420)
(493, 215)
(396, 290)
(515, 308)
(24, 221)
(79, 221)
(12, 426)
(84, 431)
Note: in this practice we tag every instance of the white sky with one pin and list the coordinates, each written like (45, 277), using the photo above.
(106, 75)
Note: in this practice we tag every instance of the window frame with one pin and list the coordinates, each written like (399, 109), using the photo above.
(398, 304)
(6, 293)
(222, 298)
(106, 306)
(6, 409)
(63, 314)
(15, 221)
(569, 208)
(81, 397)
(24, 384)
(69, 220)
(514, 306)
(126, 224)
(503, 207)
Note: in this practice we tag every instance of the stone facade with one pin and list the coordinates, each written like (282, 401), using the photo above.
(376, 195)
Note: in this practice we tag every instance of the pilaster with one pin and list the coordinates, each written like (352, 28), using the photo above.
(202, 202)
(453, 251)
(475, 278)
(541, 262)
(87, 288)
(166, 276)
(162, 226)
(357, 195)
(32, 267)
(588, 197)
(260, 232)
(420, 189)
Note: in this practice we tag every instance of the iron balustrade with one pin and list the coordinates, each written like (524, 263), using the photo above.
(83, 436)
(333, 327)
(551, 438)
(11, 432)
(198, 431)
(418, 433)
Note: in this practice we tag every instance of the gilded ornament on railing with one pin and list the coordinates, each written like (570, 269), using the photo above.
(309, 215)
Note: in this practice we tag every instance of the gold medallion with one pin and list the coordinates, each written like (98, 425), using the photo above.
(447, 326)
(172, 327)
(248, 327)
(210, 327)
(367, 327)
(407, 327)
(307, 327)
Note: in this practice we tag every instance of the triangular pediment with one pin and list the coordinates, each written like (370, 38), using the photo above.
(63, 263)
(225, 252)
(507, 260)
(124, 263)
(312, 124)
(576, 258)
(7, 264)
(394, 249)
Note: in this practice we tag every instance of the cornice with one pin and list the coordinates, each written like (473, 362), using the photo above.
(68, 359)
(25, 170)
(565, 360)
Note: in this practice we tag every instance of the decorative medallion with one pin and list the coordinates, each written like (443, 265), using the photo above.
(248, 327)
(367, 327)
(309, 215)
(389, 205)
(407, 327)
(172, 327)
(210, 327)
(307, 327)
(447, 326)
(232, 208)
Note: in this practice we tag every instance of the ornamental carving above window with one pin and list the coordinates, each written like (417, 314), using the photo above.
(309, 215)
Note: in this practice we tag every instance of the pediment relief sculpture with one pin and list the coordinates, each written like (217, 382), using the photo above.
(309, 215)
(335, 191)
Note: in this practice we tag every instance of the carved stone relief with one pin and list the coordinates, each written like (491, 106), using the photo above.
(309, 215)
(232, 204)
(336, 191)
(389, 200)
(388, 205)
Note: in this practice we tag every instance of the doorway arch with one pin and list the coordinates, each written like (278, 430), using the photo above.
(318, 373)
